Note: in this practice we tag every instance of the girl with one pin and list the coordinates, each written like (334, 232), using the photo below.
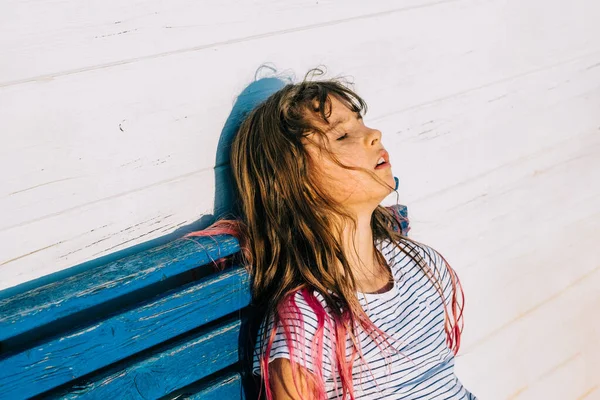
(353, 308)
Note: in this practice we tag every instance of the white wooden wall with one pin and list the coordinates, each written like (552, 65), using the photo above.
(111, 111)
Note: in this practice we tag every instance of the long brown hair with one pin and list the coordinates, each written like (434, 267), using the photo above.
(290, 234)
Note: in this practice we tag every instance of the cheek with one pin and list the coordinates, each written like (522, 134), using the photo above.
(352, 157)
(333, 179)
(340, 183)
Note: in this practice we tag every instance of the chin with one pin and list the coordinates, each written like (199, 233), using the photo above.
(390, 181)
(381, 194)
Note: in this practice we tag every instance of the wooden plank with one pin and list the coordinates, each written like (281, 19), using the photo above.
(79, 352)
(35, 308)
(77, 168)
(460, 125)
(165, 370)
(223, 388)
(99, 127)
(565, 364)
(569, 281)
(532, 254)
(116, 33)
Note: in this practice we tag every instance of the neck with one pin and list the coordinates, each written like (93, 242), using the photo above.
(359, 251)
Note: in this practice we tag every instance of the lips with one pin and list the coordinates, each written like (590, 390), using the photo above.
(383, 161)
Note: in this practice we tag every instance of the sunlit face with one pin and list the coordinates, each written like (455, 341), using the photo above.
(355, 145)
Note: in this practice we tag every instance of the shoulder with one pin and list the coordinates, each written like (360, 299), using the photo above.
(302, 316)
(416, 249)
(405, 250)
(439, 262)
(407, 255)
(301, 324)
(440, 268)
(309, 306)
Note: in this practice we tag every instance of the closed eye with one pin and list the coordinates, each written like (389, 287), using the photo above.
(342, 137)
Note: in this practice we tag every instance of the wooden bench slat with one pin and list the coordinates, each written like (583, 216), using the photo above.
(165, 370)
(122, 330)
(85, 350)
(30, 310)
(226, 387)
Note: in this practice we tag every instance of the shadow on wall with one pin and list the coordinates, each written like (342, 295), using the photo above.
(224, 204)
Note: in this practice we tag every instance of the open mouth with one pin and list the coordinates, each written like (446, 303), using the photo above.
(382, 162)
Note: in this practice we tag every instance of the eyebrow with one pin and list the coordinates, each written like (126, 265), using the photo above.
(335, 125)
(339, 122)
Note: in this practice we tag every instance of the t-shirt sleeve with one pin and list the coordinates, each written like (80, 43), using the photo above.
(443, 271)
(302, 328)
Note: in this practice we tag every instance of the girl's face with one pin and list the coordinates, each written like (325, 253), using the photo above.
(355, 145)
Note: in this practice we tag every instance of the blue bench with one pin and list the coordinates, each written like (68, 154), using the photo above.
(162, 323)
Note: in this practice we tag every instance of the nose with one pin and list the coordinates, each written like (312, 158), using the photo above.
(374, 136)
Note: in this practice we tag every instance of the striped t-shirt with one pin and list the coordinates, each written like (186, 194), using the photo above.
(411, 313)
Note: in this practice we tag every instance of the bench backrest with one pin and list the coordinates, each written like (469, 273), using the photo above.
(160, 323)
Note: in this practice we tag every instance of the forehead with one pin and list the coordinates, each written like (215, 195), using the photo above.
(336, 111)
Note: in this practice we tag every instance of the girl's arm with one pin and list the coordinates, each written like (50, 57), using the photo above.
(282, 382)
